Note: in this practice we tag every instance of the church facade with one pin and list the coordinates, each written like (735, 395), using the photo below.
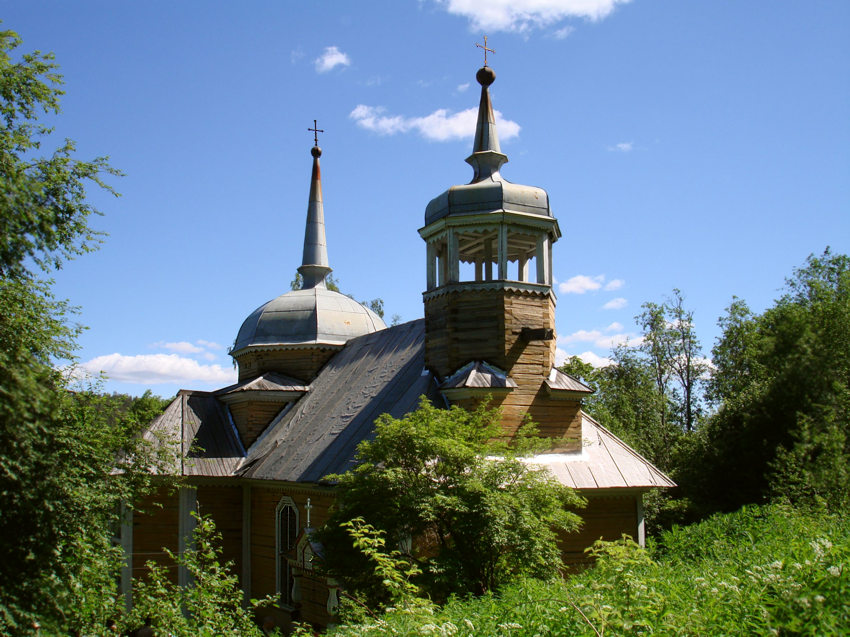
(317, 368)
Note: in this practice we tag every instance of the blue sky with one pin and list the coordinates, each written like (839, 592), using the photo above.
(703, 145)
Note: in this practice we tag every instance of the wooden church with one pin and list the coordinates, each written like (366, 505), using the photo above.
(316, 369)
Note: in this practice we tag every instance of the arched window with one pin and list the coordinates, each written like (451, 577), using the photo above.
(286, 532)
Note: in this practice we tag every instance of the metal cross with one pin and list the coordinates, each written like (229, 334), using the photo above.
(316, 130)
(309, 506)
(484, 46)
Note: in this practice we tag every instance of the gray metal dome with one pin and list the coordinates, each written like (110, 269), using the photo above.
(315, 316)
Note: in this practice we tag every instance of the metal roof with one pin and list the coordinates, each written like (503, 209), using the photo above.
(312, 316)
(198, 425)
(374, 374)
(488, 192)
(478, 374)
(558, 380)
(604, 462)
(269, 381)
(318, 435)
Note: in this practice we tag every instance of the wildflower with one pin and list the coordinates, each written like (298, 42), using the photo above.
(819, 599)
(510, 626)
(469, 624)
(777, 564)
(834, 571)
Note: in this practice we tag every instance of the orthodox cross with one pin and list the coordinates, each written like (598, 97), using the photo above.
(484, 46)
(316, 130)
(309, 506)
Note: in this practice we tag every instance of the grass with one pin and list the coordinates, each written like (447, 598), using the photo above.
(759, 571)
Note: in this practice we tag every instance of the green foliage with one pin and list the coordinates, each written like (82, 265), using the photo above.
(782, 385)
(759, 571)
(210, 605)
(476, 513)
(59, 453)
(651, 394)
(64, 455)
(44, 213)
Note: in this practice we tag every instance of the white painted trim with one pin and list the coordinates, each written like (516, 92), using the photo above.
(641, 526)
(246, 543)
(188, 504)
(279, 560)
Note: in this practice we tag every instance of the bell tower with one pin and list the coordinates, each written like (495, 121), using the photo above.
(489, 302)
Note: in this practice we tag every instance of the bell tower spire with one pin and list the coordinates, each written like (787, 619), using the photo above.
(314, 264)
(489, 302)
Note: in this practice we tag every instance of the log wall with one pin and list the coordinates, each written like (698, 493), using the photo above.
(605, 517)
(264, 503)
(485, 325)
(224, 505)
(155, 527)
(302, 363)
(252, 417)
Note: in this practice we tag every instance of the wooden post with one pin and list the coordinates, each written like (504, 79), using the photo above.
(431, 266)
(453, 259)
(488, 259)
(479, 271)
(523, 268)
(503, 253)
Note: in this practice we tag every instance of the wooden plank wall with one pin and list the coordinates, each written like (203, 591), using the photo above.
(605, 517)
(155, 525)
(486, 325)
(252, 417)
(302, 364)
(264, 503)
(224, 505)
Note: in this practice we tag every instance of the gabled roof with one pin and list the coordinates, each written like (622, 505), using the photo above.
(269, 381)
(604, 462)
(478, 374)
(378, 373)
(558, 380)
(197, 424)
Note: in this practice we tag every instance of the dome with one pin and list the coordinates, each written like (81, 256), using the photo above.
(315, 316)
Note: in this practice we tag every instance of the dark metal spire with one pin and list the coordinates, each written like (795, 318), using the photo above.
(314, 264)
(487, 157)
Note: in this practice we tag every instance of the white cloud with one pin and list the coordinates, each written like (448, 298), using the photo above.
(331, 58)
(581, 336)
(614, 284)
(622, 147)
(181, 347)
(441, 125)
(600, 340)
(560, 34)
(524, 15)
(614, 327)
(295, 55)
(151, 369)
(580, 284)
(594, 359)
(209, 344)
(615, 304)
(462, 87)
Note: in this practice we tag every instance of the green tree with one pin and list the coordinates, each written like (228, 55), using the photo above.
(673, 352)
(211, 604)
(782, 386)
(64, 455)
(468, 512)
(44, 212)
